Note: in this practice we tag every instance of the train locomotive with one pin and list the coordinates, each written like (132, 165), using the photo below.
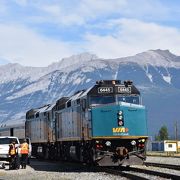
(105, 125)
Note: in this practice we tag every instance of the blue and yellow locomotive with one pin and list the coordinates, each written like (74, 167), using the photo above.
(104, 125)
(119, 126)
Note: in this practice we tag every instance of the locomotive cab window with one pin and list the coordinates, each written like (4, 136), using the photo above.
(69, 104)
(95, 100)
(129, 99)
(37, 115)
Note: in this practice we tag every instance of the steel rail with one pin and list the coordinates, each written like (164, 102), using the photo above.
(127, 172)
(128, 175)
(169, 166)
(155, 173)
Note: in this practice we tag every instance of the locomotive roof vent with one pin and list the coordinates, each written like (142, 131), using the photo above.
(128, 82)
(103, 82)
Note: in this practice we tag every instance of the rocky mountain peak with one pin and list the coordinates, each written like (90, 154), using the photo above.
(75, 59)
(157, 58)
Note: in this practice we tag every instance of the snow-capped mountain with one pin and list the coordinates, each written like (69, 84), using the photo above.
(155, 72)
(155, 58)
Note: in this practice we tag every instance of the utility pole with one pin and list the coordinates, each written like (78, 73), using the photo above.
(176, 131)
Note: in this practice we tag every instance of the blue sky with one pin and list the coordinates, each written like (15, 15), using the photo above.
(39, 32)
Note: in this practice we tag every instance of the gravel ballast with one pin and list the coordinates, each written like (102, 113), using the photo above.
(43, 170)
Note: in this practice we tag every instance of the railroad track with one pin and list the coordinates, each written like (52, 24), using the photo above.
(155, 173)
(128, 175)
(169, 166)
(139, 173)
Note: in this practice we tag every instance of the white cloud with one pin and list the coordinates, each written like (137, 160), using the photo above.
(24, 46)
(80, 12)
(94, 8)
(57, 14)
(76, 12)
(131, 37)
(21, 45)
(94, 26)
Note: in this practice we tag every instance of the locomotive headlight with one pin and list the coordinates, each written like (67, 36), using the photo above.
(120, 113)
(143, 140)
(108, 143)
(120, 117)
(133, 142)
(120, 123)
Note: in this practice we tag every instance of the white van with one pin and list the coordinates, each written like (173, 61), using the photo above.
(4, 146)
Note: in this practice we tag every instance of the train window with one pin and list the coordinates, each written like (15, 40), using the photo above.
(102, 100)
(78, 101)
(83, 104)
(30, 116)
(129, 99)
(123, 99)
(60, 106)
(37, 115)
(69, 104)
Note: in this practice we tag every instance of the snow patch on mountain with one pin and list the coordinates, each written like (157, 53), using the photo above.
(115, 75)
(41, 85)
(150, 77)
(11, 72)
(78, 80)
(88, 80)
(86, 69)
(167, 76)
(167, 79)
(146, 69)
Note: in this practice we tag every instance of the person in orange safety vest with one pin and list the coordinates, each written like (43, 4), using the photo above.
(13, 153)
(24, 153)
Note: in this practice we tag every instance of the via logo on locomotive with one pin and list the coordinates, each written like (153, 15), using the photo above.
(120, 130)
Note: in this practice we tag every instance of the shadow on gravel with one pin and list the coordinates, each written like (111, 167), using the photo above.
(59, 166)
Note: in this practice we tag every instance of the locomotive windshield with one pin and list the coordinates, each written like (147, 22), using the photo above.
(95, 100)
(129, 99)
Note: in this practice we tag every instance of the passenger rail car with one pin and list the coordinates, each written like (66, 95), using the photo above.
(103, 125)
(17, 130)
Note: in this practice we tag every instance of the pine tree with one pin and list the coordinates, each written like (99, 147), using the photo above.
(163, 133)
(157, 138)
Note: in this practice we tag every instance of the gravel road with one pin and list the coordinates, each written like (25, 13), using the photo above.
(44, 170)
